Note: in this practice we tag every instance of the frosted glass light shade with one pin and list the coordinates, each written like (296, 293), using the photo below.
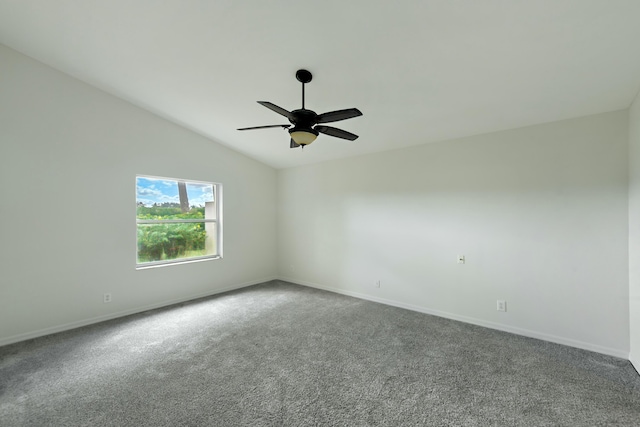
(303, 138)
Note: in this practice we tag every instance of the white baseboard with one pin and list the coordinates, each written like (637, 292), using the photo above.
(98, 319)
(479, 322)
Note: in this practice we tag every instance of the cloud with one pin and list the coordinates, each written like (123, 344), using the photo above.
(148, 191)
(199, 193)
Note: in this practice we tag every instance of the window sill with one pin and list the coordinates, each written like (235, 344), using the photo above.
(156, 264)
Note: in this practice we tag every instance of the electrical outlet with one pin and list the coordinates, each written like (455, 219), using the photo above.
(460, 259)
(501, 305)
(106, 298)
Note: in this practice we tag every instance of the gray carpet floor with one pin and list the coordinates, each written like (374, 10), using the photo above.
(279, 354)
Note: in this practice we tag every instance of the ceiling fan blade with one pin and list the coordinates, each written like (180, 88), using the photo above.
(279, 110)
(293, 144)
(264, 127)
(338, 133)
(335, 116)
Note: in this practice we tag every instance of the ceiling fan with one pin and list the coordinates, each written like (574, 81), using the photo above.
(306, 123)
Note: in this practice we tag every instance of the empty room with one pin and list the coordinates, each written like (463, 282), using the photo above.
(295, 213)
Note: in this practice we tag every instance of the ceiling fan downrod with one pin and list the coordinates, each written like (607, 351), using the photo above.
(303, 76)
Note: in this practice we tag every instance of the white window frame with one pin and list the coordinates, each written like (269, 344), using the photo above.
(217, 194)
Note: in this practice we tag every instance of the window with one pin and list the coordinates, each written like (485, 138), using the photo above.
(177, 221)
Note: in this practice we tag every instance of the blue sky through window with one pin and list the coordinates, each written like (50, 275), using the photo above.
(159, 190)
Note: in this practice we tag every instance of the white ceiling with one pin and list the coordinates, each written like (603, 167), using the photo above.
(420, 71)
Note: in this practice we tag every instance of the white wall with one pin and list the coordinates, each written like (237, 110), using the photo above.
(69, 154)
(634, 232)
(541, 214)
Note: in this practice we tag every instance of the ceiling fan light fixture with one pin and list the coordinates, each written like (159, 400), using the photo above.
(303, 136)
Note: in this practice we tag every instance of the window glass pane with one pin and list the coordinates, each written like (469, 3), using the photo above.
(162, 242)
(199, 193)
(158, 199)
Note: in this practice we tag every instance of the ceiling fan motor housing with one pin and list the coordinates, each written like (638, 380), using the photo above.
(303, 121)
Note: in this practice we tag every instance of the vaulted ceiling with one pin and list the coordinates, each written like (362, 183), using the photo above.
(420, 71)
